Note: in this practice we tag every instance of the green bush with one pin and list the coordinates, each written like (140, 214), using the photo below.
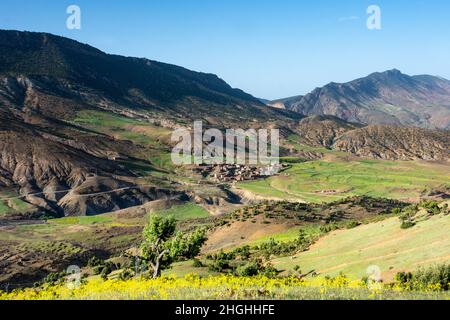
(431, 206)
(104, 274)
(353, 224)
(94, 262)
(221, 261)
(255, 268)
(197, 263)
(438, 275)
(407, 224)
(328, 228)
(437, 278)
(248, 270)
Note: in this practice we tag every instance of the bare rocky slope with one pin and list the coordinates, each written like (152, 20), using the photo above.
(322, 131)
(57, 173)
(387, 142)
(396, 143)
(64, 169)
(68, 73)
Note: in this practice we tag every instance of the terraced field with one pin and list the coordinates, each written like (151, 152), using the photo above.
(326, 181)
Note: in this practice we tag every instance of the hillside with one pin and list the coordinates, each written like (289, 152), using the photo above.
(78, 121)
(389, 97)
(396, 143)
(67, 71)
(389, 142)
(52, 88)
(56, 166)
(383, 244)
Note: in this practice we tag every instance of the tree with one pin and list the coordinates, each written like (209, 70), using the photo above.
(162, 245)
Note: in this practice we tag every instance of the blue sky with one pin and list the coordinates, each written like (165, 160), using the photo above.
(270, 49)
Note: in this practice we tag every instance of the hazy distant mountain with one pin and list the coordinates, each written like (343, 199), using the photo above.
(389, 97)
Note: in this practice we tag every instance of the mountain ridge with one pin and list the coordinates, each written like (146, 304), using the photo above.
(389, 97)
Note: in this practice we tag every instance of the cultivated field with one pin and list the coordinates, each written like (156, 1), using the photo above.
(326, 181)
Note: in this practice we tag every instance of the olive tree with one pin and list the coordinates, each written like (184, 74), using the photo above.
(163, 245)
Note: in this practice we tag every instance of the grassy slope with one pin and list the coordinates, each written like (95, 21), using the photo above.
(185, 212)
(12, 206)
(152, 137)
(383, 244)
(4, 209)
(327, 181)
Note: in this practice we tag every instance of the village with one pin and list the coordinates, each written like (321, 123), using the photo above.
(236, 172)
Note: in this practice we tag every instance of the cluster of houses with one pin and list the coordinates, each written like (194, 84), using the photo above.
(237, 172)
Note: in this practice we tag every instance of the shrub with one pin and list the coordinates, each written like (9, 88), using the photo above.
(328, 228)
(94, 262)
(242, 252)
(126, 275)
(219, 266)
(255, 268)
(221, 261)
(105, 272)
(105, 268)
(433, 278)
(197, 263)
(52, 279)
(248, 270)
(431, 206)
(353, 224)
(407, 224)
(438, 275)
(403, 277)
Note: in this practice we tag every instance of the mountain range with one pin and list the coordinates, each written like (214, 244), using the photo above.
(47, 82)
(389, 97)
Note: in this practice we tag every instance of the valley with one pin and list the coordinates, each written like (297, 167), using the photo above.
(85, 160)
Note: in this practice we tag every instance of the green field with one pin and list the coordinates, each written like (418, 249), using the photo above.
(12, 206)
(185, 212)
(82, 220)
(383, 244)
(325, 181)
(4, 209)
(288, 235)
